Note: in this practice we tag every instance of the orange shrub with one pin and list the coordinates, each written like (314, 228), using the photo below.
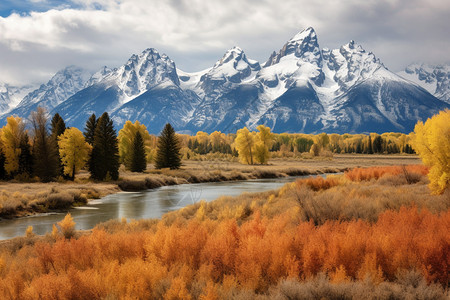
(366, 174)
(319, 183)
(210, 259)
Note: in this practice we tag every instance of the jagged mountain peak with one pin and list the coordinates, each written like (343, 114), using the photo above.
(235, 60)
(140, 73)
(304, 46)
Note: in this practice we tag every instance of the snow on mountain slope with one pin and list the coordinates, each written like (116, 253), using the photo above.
(300, 88)
(60, 87)
(434, 78)
(10, 97)
(118, 91)
(230, 72)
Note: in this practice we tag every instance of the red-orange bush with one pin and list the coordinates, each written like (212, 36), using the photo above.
(318, 183)
(198, 258)
(365, 174)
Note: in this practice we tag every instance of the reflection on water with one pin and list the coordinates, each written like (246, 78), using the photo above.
(140, 205)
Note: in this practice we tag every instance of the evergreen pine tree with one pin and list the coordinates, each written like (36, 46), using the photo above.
(2, 165)
(57, 127)
(104, 160)
(25, 157)
(168, 151)
(45, 151)
(378, 144)
(89, 129)
(369, 146)
(138, 157)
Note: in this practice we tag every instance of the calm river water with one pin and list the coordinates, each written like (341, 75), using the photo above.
(139, 205)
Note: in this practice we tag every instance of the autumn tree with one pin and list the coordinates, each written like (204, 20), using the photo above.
(138, 157)
(89, 129)
(45, 151)
(432, 142)
(73, 151)
(11, 135)
(245, 144)
(264, 140)
(126, 141)
(168, 151)
(104, 161)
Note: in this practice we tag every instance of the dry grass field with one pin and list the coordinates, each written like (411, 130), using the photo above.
(370, 233)
(20, 199)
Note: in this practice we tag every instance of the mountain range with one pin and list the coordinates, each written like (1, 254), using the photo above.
(300, 88)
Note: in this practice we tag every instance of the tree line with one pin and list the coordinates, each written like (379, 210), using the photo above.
(48, 150)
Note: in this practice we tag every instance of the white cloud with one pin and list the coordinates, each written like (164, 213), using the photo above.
(196, 33)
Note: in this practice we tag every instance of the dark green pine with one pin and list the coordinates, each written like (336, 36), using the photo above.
(168, 152)
(89, 129)
(57, 126)
(25, 157)
(138, 157)
(104, 160)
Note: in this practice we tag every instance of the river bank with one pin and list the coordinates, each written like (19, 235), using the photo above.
(24, 199)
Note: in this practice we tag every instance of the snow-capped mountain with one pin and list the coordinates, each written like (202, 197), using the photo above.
(10, 96)
(434, 78)
(59, 88)
(145, 88)
(300, 88)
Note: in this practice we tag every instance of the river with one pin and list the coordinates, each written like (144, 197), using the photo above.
(139, 205)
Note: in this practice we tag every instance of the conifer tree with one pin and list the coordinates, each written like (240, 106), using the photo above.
(89, 129)
(168, 152)
(138, 156)
(369, 146)
(126, 137)
(104, 160)
(25, 157)
(46, 162)
(2, 165)
(57, 128)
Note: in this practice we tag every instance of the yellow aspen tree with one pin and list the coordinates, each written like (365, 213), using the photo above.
(11, 135)
(126, 138)
(264, 140)
(73, 150)
(432, 142)
(216, 139)
(245, 144)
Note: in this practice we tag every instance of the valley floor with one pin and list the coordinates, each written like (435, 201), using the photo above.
(371, 233)
(19, 199)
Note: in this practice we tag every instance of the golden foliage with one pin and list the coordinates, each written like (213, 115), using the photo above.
(432, 142)
(10, 136)
(73, 150)
(245, 144)
(126, 137)
(67, 226)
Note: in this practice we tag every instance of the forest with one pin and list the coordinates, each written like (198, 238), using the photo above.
(45, 150)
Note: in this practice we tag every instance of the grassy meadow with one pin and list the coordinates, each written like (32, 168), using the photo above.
(19, 199)
(373, 232)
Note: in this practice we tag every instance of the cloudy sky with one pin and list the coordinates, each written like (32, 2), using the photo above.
(39, 37)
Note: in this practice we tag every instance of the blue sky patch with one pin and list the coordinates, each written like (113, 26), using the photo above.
(25, 7)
